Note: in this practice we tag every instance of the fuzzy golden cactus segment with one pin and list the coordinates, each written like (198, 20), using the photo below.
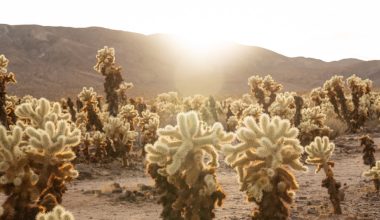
(39, 112)
(185, 144)
(13, 160)
(52, 144)
(319, 153)
(105, 57)
(58, 213)
(179, 155)
(265, 151)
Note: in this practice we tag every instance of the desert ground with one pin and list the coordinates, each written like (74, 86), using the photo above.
(109, 192)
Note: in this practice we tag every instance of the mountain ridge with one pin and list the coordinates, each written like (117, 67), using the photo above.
(57, 62)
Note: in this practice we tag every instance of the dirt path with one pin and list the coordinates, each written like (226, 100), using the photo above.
(311, 200)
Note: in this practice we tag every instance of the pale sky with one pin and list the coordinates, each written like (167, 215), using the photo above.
(323, 29)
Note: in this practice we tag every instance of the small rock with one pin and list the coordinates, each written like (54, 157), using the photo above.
(312, 211)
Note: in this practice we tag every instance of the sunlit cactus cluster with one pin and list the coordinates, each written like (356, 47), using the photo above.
(180, 154)
(267, 149)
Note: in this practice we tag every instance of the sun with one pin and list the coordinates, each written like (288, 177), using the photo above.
(199, 42)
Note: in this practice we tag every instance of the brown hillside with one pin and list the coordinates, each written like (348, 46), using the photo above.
(56, 62)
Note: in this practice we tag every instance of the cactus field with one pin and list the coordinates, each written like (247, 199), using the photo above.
(268, 154)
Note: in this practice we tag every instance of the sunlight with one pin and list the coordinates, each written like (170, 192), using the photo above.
(198, 43)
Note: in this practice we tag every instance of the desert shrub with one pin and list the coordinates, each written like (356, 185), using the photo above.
(319, 153)
(266, 151)
(182, 171)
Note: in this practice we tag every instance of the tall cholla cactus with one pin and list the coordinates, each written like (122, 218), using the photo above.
(319, 153)
(349, 108)
(190, 189)
(264, 90)
(107, 67)
(5, 78)
(35, 159)
(374, 172)
(58, 213)
(283, 106)
(121, 137)
(89, 98)
(266, 149)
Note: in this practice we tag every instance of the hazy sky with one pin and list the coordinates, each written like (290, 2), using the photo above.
(324, 29)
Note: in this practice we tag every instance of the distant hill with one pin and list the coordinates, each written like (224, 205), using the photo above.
(57, 62)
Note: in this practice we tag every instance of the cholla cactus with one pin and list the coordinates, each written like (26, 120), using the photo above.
(89, 98)
(369, 159)
(253, 110)
(121, 137)
(283, 106)
(319, 153)
(312, 125)
(264, 90)
(58, 213)
(374, 172)
(36, 159)
(10, 107)
(237, 107)
(5, 78)
(129, 114)
(38, 112)
(180, 156)
(148, 124)
(266, 149)
(167, 105)
(72, 111)
(107, 67)
(368, 150)
(122, 92)
(348, 108)
(318, 95)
